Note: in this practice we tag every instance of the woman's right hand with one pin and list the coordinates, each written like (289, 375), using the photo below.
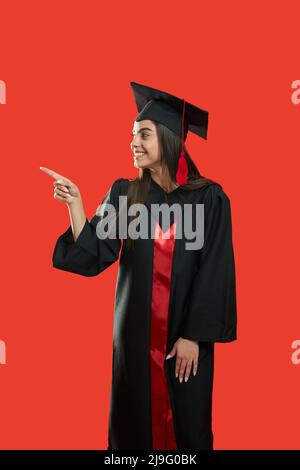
(64, 189)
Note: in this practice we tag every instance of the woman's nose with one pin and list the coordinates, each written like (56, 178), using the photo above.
(134, 144)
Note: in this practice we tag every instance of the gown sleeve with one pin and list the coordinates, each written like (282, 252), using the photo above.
(89, 255)
(211, 313)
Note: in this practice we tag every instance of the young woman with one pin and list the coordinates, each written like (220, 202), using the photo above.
(172, 303)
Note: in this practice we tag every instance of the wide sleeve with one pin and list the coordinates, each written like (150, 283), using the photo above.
(212, 313)
(89, 255)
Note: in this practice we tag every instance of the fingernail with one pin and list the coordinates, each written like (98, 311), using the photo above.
(176, 375)
(186, 379)
(168, 356)
(180, 380)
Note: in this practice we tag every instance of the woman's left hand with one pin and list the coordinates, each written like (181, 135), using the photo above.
(187, 352)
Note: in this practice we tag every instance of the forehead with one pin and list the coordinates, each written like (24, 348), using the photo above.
(145, 123)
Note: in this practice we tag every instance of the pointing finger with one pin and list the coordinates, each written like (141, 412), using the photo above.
(51, 173)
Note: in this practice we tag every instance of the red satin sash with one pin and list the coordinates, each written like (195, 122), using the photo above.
(163, 434)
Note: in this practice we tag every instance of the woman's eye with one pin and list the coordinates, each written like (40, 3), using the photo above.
(143, 135)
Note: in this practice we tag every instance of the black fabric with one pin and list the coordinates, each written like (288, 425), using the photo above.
(202, 307)
(212, 300)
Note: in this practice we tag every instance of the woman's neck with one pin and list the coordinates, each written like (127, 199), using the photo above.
(164, 180)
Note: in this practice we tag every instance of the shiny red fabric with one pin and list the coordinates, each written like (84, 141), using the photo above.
(163, 434)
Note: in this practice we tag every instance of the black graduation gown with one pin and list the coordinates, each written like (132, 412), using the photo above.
(163, 292)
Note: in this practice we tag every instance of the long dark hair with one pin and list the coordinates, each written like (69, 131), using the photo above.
(170, 147)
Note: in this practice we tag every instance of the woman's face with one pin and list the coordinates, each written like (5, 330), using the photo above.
(145, 145)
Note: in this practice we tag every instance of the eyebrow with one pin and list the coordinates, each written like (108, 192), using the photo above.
(144, 129)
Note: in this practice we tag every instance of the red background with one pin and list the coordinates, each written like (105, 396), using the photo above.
(67, 67)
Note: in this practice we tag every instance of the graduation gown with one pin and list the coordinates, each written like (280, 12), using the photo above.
(163, 292)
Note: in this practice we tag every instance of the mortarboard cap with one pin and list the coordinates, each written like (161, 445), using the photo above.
(167, 109)
(176, 114)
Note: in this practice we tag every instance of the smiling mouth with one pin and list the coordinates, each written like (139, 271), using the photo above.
(139, 154)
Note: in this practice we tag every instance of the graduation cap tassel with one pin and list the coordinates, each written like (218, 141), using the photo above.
(182, 170)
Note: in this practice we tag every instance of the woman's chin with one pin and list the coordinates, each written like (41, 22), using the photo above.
(140, 165)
